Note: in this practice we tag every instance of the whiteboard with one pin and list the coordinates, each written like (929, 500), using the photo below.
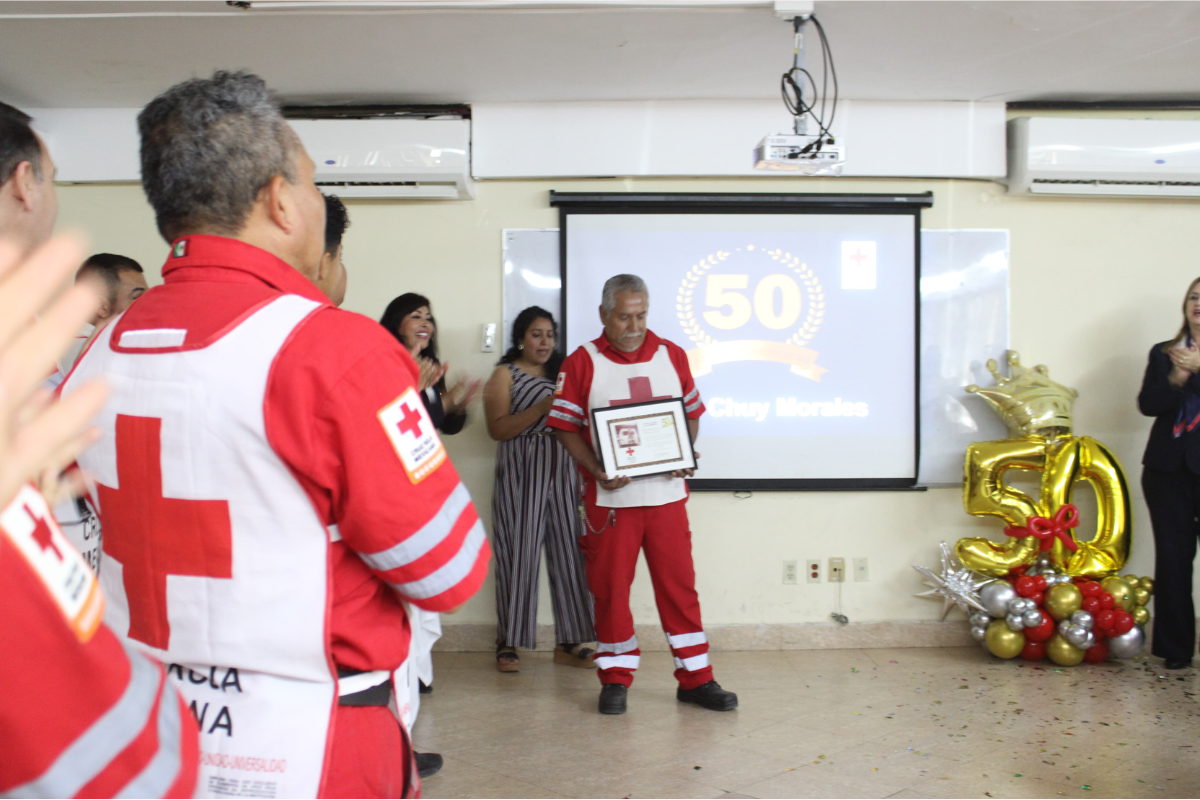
(964, 322)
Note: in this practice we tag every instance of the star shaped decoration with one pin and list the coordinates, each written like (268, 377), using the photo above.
(957, 585)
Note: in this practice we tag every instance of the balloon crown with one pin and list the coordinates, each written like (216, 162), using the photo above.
(1028, 401)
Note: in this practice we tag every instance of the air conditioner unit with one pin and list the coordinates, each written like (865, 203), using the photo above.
(1104, 157)
(390, 158)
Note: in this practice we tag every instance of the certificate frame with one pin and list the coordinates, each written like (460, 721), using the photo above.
(638, 440)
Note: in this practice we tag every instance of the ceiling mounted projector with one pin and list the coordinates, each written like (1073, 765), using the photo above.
(799, 152)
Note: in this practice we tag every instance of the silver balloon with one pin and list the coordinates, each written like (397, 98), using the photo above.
(978, 632)
(979, 619)
(1063, 626)
(1128, 644)
(1015, 605)
(1032, 618)
(1015, 623)
(1090, 642)
(995, 597)
(1083, 619)
(1076, 635)
(1029, 605)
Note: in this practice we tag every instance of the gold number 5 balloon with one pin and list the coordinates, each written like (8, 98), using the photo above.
(1037, 412)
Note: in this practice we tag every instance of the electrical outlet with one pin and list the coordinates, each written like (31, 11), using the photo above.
(489, 337)
(837, 570)
(860, 569)
(812, 569)
(790, 572)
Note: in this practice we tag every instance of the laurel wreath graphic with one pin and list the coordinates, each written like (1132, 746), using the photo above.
(812, 287)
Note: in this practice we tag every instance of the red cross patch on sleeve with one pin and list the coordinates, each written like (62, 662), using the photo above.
(409, 427)
(29, 525)
(562, 380)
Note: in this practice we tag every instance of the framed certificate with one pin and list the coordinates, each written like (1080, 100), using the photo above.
(642, 439)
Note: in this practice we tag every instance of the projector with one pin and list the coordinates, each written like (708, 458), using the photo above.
(799, 154)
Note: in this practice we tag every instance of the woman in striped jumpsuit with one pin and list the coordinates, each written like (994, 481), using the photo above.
(535, 501)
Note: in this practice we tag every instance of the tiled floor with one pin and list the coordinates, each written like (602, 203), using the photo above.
(921, 722)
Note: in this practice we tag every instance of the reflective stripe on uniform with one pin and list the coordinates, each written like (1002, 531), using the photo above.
(692, 395)
(162, 771)
(108, 736)
(451, 573)
(686, 640)
(693, 406)
(566, 417)
(569, 406)
(691, 664)
(430, 535)
(611, 662)
(617, 648)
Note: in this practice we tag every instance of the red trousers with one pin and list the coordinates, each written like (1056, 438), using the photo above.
(662, 532)
(371, 756)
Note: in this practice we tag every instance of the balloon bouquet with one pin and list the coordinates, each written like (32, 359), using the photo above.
(1042, 592)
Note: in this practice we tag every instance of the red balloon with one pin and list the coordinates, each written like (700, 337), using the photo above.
(1040, 580)
(1090, 589)
(1090, 605)
(1038, 599)
(1036, 651)
(1106, 600)
(1018, 570)
(1040, 633)
(1122, 623)
(1096, 653)
(1105, 619)
(1026, 587)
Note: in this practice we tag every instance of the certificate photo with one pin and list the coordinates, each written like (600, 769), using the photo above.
(642, 439)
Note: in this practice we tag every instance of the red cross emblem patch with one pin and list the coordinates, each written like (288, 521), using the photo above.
(411, 432)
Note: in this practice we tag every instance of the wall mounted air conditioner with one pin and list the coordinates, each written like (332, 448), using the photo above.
(1104, 157)
(413, 159)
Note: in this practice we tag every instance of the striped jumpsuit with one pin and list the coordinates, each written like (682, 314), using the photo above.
(536, 500)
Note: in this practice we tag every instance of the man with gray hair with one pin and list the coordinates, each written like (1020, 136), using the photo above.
(270, 485)
(627, 364)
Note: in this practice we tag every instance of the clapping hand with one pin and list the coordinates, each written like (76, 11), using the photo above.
(1187, 358)
(460, 394)
(430, 372)
(40, 437)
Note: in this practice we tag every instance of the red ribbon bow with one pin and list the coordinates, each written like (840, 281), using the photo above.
(1047, 530)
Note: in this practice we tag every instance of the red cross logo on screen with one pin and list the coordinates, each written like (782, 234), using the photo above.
(639, 392)
(155, 536)
(42, 535)
(858, 257)
(411, 423)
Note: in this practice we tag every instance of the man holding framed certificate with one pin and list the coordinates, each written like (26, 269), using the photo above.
(627, 411)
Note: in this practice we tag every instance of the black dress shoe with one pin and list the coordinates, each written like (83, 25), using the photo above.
(1177, 663)
(612, 698)
(428, 764)
(708, 695)
(423, 687)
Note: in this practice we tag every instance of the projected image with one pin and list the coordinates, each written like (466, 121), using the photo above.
(800, 330)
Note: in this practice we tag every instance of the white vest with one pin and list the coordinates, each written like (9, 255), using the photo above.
(614, 382)
(247, 607)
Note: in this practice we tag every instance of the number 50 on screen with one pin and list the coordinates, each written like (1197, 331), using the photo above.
(722, 292)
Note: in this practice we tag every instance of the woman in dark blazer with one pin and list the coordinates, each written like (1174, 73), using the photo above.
(1171, 481)
(410, 320)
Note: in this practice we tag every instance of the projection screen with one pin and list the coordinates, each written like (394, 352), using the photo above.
(799, 313)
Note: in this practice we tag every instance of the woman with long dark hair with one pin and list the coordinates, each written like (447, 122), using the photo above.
(535, 501)
(411, 321)
(1171, 481)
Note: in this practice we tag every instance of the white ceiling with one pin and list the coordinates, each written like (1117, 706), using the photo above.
(892, 49)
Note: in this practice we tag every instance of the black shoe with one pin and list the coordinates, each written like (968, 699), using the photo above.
(708, 695)
(1177, 663)
(423, 688)
(428, 764)
(612, 698)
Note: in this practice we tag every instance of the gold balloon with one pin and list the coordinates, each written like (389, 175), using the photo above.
(1119, 589)
(1141, 595)
(1141, 615)
(1062, 652)
(1147, 584)
(1037, 412)
(1003, 641)
(1063, 600)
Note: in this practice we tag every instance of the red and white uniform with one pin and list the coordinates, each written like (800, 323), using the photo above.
(81, 716)
(647, 515)
(271, 488)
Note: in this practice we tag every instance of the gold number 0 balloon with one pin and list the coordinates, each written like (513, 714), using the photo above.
(1062, 461)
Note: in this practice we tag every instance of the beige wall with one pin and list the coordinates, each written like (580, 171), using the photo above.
(1094, 283)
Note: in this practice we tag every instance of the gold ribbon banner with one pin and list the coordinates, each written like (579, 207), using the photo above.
(802, 360)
